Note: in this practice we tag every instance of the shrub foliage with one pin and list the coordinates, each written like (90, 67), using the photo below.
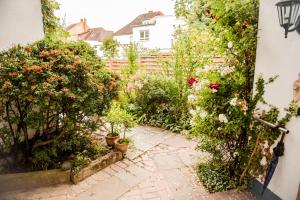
(50, 93)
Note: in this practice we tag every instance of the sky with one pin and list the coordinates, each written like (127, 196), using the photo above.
(110, 14)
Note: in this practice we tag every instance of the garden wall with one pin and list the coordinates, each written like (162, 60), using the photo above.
(277, 55)
(20, 22)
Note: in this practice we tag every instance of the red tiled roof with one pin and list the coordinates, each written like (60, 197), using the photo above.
(127, 30)
(96, 34)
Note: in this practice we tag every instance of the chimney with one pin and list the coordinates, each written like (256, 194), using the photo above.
(84, 24)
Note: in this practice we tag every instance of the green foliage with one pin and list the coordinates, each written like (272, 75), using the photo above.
(119, 119)
(162, 102)
(52, 28)
(215, 178)
(110, 47)
(50, 89)
(222, 37)
(132, 55)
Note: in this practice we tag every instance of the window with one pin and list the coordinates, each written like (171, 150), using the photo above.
(144, 35)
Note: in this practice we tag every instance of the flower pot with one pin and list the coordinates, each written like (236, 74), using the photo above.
(121, 147)
(110, 140)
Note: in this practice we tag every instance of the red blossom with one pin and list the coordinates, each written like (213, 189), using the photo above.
(192, 80)
(245, 25)
(214, 86)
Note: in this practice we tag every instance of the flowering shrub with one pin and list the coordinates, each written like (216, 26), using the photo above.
(51, 93)
(224, 101)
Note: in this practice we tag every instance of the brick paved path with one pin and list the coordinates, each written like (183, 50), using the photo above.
(160, 166)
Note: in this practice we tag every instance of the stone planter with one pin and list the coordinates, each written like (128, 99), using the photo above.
(121, 147)
(110, 140)
(29, 180)
(96, 166)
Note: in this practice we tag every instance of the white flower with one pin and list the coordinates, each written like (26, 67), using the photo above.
(198, 71)
(193, 112)
(226, 70)
(263, 161)
(219, 128)
(192, 98)
(206, 68)
(202, 114)
(138, 84)
(235, 154)
(223, 118)
(233, 101)
(230, 45)
(197, 86)
(266, 145)
(214, 90)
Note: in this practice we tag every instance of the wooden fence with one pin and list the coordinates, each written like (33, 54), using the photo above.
(150, 63)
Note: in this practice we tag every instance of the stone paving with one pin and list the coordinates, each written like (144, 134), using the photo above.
(160, 166)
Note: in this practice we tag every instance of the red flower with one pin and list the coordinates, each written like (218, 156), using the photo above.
(192, 80)
(214, 86)
(245, 25)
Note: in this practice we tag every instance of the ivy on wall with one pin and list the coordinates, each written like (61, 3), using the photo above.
(52, 28)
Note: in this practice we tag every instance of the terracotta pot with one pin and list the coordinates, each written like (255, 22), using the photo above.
(121, 147)
(110, 140)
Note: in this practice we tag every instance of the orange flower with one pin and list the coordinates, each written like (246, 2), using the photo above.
(12, 74)
(33, 87)
(6, 85)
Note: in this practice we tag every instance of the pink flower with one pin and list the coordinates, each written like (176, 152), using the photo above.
(214, 86)
(192, 80)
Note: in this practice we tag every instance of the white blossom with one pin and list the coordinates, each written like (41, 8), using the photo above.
(226, 70)
(266, 145)
(202, 114)
(235, 154)
(192, 112)
(192, 98)
(223, 118)
(230, 45)
(233, 101)
(219, 128)
(263, 161)
(206, 68)
(198, 71)
(138, 84)
(214, 90)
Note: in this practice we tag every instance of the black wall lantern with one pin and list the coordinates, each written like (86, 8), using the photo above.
(288, 13)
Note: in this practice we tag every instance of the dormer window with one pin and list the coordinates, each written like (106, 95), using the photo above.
(144, 35)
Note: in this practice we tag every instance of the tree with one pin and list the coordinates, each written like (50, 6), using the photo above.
(110, 47)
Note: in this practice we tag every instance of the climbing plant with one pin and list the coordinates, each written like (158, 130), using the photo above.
(224, 101)
(51, 24)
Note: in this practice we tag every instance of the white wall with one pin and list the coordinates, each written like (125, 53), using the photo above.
(20, 22)
(97, 46)
(123, 39)
(160, 34)
(279, 56)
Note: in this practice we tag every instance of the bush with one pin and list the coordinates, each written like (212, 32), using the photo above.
(51, 91)
(161, 102)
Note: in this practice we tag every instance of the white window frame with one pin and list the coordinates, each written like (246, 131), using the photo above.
(145, 35)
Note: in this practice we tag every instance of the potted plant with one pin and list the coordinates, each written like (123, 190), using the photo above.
(117, 119)
(121, 144)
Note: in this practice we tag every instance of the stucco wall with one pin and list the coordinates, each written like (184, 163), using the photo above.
(279, 56)
(160, 34)
(20, 22)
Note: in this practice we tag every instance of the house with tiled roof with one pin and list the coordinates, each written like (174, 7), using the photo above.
(93, 36)
(151, 30)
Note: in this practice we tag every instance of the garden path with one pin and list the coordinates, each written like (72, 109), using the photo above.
(160, 166)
